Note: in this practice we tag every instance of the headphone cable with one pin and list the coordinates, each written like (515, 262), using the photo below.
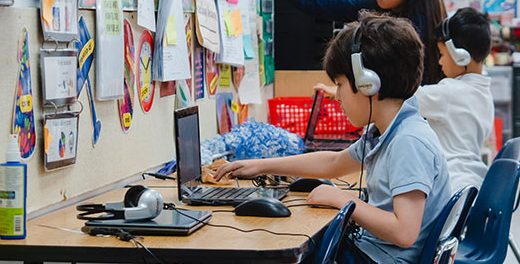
(364, 147)
(171, 206)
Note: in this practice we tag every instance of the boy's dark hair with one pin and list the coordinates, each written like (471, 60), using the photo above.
(469, 29)
(390, 46)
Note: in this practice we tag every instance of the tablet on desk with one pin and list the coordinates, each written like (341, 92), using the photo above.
(168, 223)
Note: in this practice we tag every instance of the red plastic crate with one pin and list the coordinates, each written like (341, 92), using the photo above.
(293, 113)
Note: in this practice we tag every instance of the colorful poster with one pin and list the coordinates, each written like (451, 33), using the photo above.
(86, 47)
(145, 84)
(23, 114)
(225, 115)
(242, 114)
(211, 72)
(206, 25)
(238, 76)
(60, 141)
(126, 105)
(198, 55)
(58, 19)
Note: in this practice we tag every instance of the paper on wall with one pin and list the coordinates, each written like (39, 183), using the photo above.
(146, 14)
(231, 47)
(207, 27)
(109, 51)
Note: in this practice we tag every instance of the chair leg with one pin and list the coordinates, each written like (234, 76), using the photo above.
(514, 247)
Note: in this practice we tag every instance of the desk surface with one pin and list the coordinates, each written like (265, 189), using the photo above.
(57, 236)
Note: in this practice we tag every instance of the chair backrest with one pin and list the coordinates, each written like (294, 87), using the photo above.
(489, 219)
(453, 213)
(510, 150)
(331, 240)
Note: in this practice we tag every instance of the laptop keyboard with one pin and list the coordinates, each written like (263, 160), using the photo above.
(217, 193)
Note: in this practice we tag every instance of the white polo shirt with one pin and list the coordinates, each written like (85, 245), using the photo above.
(461, 112)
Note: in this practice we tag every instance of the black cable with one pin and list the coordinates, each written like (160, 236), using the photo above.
(364, 147)
(157, 176)
(148, 251)
(222, 211)
(343, 181)
(126, 236)
(313, 205)
(172, 207)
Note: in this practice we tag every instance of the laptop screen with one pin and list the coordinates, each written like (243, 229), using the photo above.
(313, 118)
(187, 145)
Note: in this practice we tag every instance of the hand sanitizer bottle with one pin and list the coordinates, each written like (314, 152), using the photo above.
(13, 193)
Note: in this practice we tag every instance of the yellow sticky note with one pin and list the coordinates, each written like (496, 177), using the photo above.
(26, 104)
(225, 75)
(127, 120)
(234, 106)
(229, 24)
(236, 20)
(171, 31)
(47, 139)
(47, 12)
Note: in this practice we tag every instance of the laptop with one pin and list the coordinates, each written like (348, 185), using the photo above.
(168, 223)
(190, 189)
(331, 142)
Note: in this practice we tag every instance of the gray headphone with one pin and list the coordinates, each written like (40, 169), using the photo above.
(459, 55)
(140, 203)
(367, 81)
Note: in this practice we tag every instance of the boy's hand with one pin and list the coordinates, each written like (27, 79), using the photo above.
(329, 195)
(329, 90)
(242, 168)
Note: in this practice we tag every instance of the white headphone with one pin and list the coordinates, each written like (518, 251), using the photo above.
(459, 55)
(367, 81)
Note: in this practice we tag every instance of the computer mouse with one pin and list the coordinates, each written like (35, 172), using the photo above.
(264, 207)
(307, 184)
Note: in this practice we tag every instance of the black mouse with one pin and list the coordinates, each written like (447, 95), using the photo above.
(264, 207)
(308, 184)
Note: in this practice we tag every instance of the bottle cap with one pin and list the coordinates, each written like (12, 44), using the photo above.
(13, 149)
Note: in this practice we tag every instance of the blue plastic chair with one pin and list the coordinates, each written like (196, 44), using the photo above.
(511, 150)
(443, 239)
(489, 220)
(333, 236)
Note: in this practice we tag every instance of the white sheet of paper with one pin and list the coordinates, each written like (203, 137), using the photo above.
(175, 62)
(60, 77)
(207, 25)
(231, 48)
(249, 90)
(146, 14)
(109, 50)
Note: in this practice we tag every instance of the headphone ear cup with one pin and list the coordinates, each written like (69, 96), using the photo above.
(369, 83)
(133, 194)
(460, 56)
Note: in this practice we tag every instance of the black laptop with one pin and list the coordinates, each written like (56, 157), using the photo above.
(190, 189)
(323, 141)
(168, 223)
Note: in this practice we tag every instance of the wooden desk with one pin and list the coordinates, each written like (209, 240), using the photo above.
(65, 242)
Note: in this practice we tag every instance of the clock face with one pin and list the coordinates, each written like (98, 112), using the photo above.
(145, 83)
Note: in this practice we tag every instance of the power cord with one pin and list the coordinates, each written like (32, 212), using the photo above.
(157, 176)
(171, 206)
(313, 205)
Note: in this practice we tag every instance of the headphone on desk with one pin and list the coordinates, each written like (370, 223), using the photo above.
(366, 80)
(140, 203)
(460, 56)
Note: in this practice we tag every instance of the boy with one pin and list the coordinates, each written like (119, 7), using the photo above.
(460, 107)
(407, 177)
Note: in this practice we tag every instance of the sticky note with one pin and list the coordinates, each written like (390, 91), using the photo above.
(232, 1)
(225, 75)
(47, 12)
(234, 106)
(171, 31)
(249, 51)
(236, 21)
(229, 24)
(47, 138)
(127, 120)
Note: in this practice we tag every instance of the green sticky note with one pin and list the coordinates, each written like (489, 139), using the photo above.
(230, 28)
(171, 31)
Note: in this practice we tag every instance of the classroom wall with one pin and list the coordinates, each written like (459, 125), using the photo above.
(117, 155)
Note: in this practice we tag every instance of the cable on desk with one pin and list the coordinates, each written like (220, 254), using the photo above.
(157, 176)
(313, 205)
(171, 206)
